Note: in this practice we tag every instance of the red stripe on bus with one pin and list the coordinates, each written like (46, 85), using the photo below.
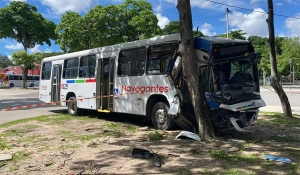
(90, 81)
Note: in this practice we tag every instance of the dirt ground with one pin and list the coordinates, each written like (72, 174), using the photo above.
(60, 144)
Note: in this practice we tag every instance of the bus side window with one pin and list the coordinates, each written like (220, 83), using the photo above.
(132, 62)
(159, 57)
(87, 66)
(71, 68)
(46, 71)
(10, 77)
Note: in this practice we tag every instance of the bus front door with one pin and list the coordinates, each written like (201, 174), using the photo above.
(56, 75)
(105, 84)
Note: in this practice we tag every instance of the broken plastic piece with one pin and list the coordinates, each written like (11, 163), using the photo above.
(236, 126)
(275, 158)
(145, 154)
(188, 135)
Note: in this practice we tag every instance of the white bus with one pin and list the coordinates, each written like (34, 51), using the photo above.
(143, 78)
(16, 80)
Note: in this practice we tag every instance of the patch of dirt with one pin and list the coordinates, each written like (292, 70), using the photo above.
(100, 146)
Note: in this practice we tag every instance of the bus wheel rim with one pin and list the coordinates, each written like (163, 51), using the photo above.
(161, 116)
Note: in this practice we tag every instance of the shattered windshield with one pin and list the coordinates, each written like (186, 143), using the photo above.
(238, 73)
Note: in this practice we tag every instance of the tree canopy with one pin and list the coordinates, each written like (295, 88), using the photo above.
(22, 22)
(132, 20)
(5, 61)
(235, 34)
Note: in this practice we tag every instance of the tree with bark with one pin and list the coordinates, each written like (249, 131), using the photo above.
(22, 22)
(275, 81)
(191, 74)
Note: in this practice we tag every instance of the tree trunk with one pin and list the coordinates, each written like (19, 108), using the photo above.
(201, 108)
(274, 73)
(24, 75)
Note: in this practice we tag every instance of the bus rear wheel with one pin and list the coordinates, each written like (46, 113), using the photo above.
(73, 110)
(160, 118)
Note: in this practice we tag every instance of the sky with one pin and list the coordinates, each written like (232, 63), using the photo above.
(209, 15)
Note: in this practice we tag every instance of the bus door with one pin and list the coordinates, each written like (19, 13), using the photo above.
(55, 85)
(105, 84)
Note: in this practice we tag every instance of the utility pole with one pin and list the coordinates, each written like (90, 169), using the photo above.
(227, 22)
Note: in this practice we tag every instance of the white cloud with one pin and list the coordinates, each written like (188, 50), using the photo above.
(206, 29)
(162, 21)
(293, 25)
(48, 50)
(61, 6)
(253, 23)
(14, 46)
(279, 4)
(35, 49)
(158, 9)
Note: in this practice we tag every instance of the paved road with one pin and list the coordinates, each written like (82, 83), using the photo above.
(18, 97)
(273, 102)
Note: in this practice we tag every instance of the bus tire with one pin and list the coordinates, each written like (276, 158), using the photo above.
(160, 118)
(11, 85)
(73, 109)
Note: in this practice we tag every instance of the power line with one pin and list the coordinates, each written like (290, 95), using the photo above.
(286, 16)
(248, 18)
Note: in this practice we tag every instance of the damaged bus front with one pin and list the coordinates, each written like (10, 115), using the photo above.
(229, 75)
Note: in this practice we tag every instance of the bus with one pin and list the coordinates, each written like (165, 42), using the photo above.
(16, 80)
(144, 77)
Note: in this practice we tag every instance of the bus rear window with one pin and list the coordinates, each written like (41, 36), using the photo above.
(46, 71)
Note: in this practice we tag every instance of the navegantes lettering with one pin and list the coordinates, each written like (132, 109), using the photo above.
(143, 89)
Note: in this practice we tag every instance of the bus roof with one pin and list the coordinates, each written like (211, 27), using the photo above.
(116, 47)
(145, 42)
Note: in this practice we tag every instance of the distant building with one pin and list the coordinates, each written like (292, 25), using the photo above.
(19, 70)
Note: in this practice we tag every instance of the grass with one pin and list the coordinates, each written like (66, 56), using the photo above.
(17, 157)
(66, 147)
(32, 138)
(277, 118)
(235, 157)
(156, 135)
(284, 139)
(4, 145)
(236, 171)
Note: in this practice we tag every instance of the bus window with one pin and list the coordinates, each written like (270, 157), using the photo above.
(132, 62)
(159, 56)
(36, 78)
(46, 71)
(18, 77)
(71, 68)
(87, 66)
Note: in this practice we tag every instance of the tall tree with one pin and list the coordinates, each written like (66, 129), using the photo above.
(22, 22)
(235, 34)
(274, 72)
(172, 27)
(101, 26)
(190, 72)
(70, 32)
(5, 61)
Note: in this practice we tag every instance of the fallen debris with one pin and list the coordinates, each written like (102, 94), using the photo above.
(145, 154)
(279, 159)
(4, 157)
(187, 134)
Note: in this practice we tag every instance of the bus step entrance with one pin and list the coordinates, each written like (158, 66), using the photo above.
(186, 122)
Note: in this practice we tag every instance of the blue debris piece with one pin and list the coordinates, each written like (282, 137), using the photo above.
(279, 159)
